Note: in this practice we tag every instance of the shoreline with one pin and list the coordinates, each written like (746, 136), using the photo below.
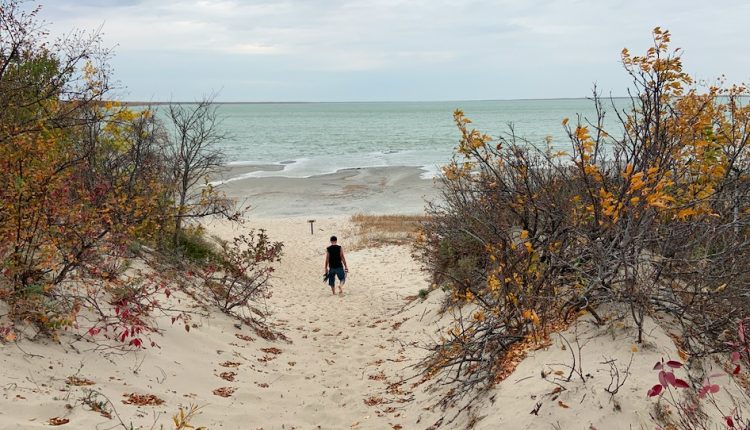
(369, 190)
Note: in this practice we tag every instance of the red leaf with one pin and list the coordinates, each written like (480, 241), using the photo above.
(655, 390)
(663, 379)
(730, 422)
(713, 389)
(702, 392)
(671, 379)
(167, 292)
(136, 343)
(736, 370)
(735, 357)
(679, 383)
(658, 366)
(674, 364)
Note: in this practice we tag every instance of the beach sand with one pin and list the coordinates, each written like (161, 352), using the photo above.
(376, 190)
(344, 353)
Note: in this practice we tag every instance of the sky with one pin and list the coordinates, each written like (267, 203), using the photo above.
(393, 50)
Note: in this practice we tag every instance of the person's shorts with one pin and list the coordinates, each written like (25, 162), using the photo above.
(335, 272)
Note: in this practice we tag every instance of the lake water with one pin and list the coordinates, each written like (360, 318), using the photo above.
(315, 138)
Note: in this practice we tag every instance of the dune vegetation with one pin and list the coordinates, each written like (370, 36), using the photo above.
(650, 220)
(96, 199)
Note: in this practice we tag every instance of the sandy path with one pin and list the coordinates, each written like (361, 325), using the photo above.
(321, 379)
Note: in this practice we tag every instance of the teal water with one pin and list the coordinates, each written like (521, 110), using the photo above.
(315, 138)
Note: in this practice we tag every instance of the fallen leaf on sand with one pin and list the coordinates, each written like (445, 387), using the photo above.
(244, 337)
(57, 421)
(228, 376)
(230, 364)
(562, 404)
(78, 382)
(372, 401)
(397, 427)
(378, 376)
(355, 424)
(142, 399)
(274, 351)
(224, 391)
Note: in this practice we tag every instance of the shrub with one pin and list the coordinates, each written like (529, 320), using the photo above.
(652, 217)
(241, 270)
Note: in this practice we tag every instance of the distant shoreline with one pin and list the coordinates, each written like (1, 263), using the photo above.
(161, 103)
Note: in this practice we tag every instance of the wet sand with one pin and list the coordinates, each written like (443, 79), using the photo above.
(375, 190)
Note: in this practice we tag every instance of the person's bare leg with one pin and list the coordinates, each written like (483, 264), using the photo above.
(341, 292)
(333, 290)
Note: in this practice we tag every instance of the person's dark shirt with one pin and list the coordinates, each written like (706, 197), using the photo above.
(334, 256)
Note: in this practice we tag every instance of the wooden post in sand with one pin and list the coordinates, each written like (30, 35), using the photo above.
(311, 221)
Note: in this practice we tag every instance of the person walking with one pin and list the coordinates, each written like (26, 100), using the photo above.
(335, 266)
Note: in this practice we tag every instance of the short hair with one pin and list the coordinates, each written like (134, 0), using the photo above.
(333, 239)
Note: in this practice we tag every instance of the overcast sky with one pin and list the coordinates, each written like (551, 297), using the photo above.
(340, 50)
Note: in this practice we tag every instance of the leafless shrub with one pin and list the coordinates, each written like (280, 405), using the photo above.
(242, 270)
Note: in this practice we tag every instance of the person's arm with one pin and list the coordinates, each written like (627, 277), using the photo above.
(325, 269)
(343, 260)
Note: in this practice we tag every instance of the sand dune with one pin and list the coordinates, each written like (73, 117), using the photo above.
(348, 362)
(319, 379)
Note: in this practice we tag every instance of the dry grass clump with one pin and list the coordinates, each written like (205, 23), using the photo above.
(373, 231)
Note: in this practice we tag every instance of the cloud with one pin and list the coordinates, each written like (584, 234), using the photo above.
(250, 48)
(503, 48)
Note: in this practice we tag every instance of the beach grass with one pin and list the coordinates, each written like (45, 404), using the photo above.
(373, 231)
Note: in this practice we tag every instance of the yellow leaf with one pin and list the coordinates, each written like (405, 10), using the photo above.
(684, 213)
(565, 121)
(633, 348)
(10, 337)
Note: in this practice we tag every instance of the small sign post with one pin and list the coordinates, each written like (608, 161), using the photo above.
(311, 221)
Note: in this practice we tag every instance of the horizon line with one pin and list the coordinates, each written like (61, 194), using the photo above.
(138, 102)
